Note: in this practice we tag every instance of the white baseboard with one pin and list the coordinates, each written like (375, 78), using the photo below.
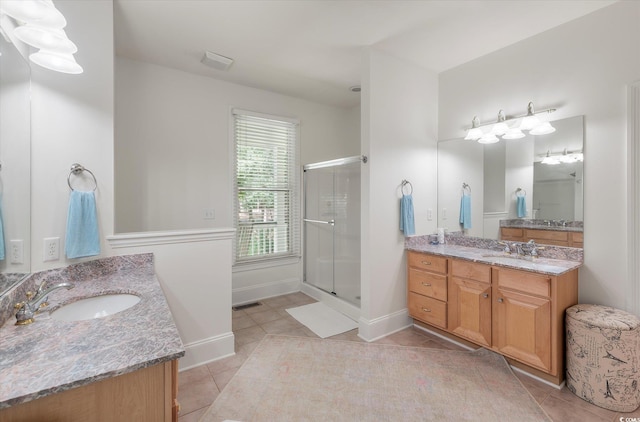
(374, 329)
(262, 291)
(207, 350)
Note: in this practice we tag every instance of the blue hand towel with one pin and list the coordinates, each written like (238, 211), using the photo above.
(465, 211)
(407, 224)
(82, 226)
(521, 206)
(2, 253)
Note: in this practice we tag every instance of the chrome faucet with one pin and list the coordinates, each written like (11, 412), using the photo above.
(532, 248)
(35, 301)
(522, 249)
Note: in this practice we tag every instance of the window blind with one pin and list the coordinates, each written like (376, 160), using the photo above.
(266, 203)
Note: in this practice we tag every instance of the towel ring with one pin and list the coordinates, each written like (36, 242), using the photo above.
(465, 186)
(76, 169)
(521, 190)
(405, 182)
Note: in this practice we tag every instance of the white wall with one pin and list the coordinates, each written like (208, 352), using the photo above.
(173, 147)
(582, 68)
(194, 271)
(399, 116)
(173, 154)
(72, 122)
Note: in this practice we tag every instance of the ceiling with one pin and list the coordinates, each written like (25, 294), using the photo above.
(312, 49)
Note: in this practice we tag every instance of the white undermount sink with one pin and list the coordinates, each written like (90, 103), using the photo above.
(95, 307)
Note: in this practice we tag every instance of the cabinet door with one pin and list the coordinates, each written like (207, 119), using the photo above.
(522, 327)
(470, 310)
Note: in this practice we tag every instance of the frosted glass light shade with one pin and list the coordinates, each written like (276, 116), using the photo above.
(64, 63)
(543, 128)
(500, 129)
(54, 40)
(529, 122)
(514, 133)
(488, 138)
(26, 10)
(54, 19)
(550, 160)
(474, 134)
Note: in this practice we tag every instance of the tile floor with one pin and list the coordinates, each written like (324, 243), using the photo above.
(199, 387)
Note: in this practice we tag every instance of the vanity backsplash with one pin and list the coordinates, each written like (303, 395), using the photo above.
(457, 238)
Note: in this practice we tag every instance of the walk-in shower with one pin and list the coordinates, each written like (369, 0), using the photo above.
(332, 229)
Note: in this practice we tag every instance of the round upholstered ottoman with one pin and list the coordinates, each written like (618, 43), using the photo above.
(602, 356)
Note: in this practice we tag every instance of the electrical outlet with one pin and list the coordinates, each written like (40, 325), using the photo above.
(16, 251)
(51, 248)
(209, 214)
(429, 214)
(444, 213)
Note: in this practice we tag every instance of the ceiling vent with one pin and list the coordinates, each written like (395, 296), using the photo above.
(216, 61)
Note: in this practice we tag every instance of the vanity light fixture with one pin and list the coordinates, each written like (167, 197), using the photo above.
(500, 128)
(60, 62)
(543, 128)
(475, 132)
(40, 25)
(548, 159)
(25, 10)
(488, 138)
(47, 39)
(529, 122)
(565, 156)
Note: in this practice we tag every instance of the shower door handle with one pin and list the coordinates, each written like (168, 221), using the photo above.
(331, 222)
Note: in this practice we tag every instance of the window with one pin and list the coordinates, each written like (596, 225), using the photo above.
(266, 208)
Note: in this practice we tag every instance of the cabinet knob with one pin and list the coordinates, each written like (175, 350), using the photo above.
(485, 295)
(426, 310)
(500, 300)
(426, 263)
(426, 284)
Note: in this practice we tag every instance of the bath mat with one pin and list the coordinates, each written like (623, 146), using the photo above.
(322, 320)
(309, 379)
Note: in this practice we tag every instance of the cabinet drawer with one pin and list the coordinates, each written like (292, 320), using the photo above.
(429, 310)
(509, 233)
(436, 264)
(471, 270)
(554, 235)
(428, 284)
(522, 281)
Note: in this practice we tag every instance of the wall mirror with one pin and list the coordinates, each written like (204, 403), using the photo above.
(547, 170)
(15, 159)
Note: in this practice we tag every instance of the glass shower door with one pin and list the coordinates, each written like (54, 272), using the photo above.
(332, 227)
(319, 224)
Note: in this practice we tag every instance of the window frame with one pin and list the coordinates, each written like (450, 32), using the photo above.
(294, 236)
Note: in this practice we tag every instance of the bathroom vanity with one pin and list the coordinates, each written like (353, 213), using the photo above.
(511, 305)
(543, 231)
(119, 367)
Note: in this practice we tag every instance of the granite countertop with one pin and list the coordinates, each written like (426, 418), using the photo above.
(540, 265)
(50, 356)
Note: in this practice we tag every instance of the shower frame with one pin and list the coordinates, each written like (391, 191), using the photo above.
(329, 295)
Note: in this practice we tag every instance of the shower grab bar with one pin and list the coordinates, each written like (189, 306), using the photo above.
(332, 222)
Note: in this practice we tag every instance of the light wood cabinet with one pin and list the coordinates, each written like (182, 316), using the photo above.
(517, 313)
(542, 236)
(148, 394)
(470, 310)
(427, 299)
